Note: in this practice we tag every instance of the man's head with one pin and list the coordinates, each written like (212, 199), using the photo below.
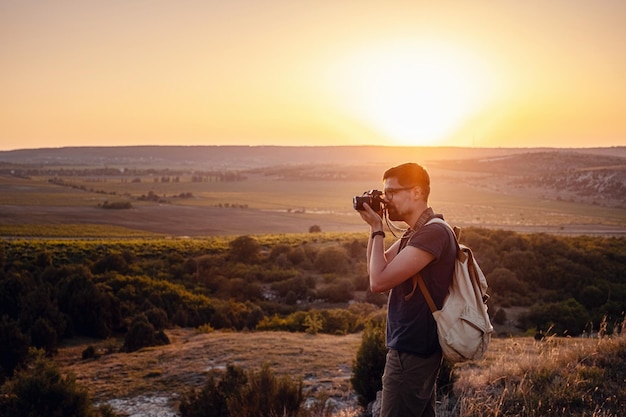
(406, 190)
(410, 175)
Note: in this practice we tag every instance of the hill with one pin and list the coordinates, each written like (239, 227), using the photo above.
(246, 157)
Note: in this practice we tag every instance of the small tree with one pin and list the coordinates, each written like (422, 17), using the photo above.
(244, 249)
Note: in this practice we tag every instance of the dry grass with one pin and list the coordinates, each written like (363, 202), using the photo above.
(554, 377)
(324, 362)
(518, 377)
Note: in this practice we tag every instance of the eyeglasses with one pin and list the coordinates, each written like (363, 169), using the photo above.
(389, 193)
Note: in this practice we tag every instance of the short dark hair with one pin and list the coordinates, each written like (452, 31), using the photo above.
(410, 174)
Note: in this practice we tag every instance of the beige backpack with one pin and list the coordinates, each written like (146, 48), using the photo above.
(463, 323)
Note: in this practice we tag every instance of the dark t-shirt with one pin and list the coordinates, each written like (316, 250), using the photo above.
(411, 327)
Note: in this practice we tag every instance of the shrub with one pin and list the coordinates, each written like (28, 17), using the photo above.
(565, 317)
(267, 395)
(332, 260)
(40, 390)
(500, 316)
(110, 262)
(142, 334)
(338, 292)
(338, 321)
(89, 353)
(315, 229)
(238, 394)
(13, 347)
(313, 322)
(157, 317)
(368, 367)
(244, 249)
(44, 336)
(116, 205)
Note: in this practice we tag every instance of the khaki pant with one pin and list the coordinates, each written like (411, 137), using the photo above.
(409, 385)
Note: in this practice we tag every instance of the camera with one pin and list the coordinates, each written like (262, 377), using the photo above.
(373, 198)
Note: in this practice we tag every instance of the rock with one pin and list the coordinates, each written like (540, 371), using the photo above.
(373, 408)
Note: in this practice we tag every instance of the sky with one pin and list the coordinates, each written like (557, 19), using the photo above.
(479, 73)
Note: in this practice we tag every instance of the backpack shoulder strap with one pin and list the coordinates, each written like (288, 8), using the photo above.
(427, 296)
(417, 278)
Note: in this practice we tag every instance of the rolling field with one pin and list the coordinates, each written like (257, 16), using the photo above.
(268, 204)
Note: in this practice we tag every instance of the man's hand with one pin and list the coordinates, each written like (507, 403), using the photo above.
(371, 217)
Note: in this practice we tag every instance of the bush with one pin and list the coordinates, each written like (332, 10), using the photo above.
(13, 347)
(116, 205)
(89, 353)
(142, 334)
(40, 390)
(565, 317)
(244, 249)
(338, 292)
(332, 260)
(238, 394)
(210, 401)
(267, 395)
(368, 367)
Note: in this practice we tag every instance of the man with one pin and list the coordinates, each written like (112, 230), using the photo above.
(414, 356)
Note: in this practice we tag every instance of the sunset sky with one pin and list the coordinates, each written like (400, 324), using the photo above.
(282, 72)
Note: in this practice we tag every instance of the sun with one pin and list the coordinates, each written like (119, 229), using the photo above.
(413, 94)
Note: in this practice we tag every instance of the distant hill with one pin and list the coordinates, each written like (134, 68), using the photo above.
(247, 157)
(594, 178)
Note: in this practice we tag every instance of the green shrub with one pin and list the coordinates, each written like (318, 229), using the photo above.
(142, 334)
(368, 367)
(238, 394)
(40, 390)
(244, 249)
(332, 260)
(13, 347)
(267, 395)
(44, 336)
(340, 291)
(565, 317)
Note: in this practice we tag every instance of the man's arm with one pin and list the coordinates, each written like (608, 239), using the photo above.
(389, 268)
(385, 274)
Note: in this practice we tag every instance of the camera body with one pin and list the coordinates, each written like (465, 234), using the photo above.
(373, 198)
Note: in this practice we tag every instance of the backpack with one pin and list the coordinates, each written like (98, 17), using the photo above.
(463, 325)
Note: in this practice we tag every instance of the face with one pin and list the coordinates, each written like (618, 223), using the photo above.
(398, 199)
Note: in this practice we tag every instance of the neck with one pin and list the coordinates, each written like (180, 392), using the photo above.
(419, 216)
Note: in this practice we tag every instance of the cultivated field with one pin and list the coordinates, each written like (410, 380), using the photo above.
(262, 204)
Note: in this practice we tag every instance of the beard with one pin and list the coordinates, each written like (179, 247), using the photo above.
(392, 214)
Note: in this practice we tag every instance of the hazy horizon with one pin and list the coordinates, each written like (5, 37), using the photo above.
(148, 145)
(277, 73)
